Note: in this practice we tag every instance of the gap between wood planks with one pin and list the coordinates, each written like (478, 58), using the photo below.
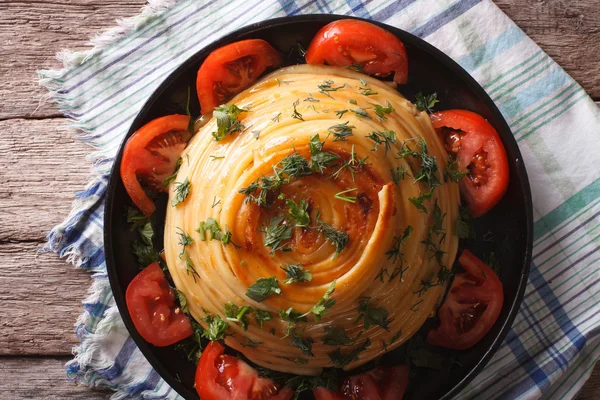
(32, 33)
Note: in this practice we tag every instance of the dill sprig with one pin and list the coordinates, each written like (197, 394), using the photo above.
(327, 86)
(227, 120)
(382, 111)
(353, 164)
(296, 114)
(372, 315)
(385, 138)
(342, 195)
(426, 102)
(365, 89)
(341, 131)
(295, 273)
(182, 190)
(276, 234)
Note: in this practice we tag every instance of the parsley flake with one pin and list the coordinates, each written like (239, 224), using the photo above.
(263, 288)
(227, 120)
(295, 273)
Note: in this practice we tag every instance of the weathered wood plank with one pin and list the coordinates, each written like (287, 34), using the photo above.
(569, 31)
(42, 166)
(591, 390)
(31, 33)
(40, 300)
(34, 378)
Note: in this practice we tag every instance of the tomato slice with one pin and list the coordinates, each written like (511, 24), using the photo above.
(350, 42)
(151, 304)
(150, 156)
(222, 377)
(232, 68)
(381, 383)
(479, 150)
(471, 307)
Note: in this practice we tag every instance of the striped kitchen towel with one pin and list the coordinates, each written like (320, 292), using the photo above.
(553, 344)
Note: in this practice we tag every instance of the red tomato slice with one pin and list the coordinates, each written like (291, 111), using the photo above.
(350, 42)
(232, 68)
(381, 383)
(476, 144)
(471, 307)
(151, 304)
(151, 155)
(223, 377)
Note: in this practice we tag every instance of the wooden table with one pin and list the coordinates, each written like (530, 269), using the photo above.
(40, 295)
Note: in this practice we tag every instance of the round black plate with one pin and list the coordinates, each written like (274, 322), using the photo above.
(506, 230)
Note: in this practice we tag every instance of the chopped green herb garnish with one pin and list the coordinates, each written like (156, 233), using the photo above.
(311, 99)
(453, 173)
(398, 174)
(184, 240)
(215, 231)
(217, 327)
(263, 288)
(366, 90)
(327, 87)
(352, 101)
(227, 120)
(337, 238)
(182, 190)
(353, 164)
(324, 303)
(238, 314)
(299, 212)
(320, 159)
(464, 228)
(172, 177)
(426, 102)
(304, 344)
(372, 315)
(182, 300)
(361, 112)
(251, 343)
(340, 359)
(276, 118)
(341, 131)
(337, 337)
(342, 195)
(385, 138)
(256, 134)
(395, 252)
(382, 111)
(215, 202)
(295, 273)
(262, 316)
(340, 113)
(144, 254)
(189, 264)
(296, 114)
(276, 233)
(418, 201)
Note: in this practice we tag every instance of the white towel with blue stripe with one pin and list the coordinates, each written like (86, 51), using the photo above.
(553, 343)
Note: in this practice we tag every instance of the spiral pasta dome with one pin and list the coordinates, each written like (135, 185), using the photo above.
(332, 225)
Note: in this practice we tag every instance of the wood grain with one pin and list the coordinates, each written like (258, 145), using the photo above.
(42, 166)
(33, 378)
(40, 300)
(569, 31)
(32, 32)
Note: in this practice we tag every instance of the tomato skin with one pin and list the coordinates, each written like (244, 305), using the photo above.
(476, 288)
(381, 383)
(479, 135)
(151, 304)
(223, 377)
(349, 41)
(141, 162)
(216, 82)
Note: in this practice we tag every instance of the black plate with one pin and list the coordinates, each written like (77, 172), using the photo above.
(506, 230)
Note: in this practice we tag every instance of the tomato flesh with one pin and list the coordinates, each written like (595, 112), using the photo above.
(381, 383)
(468, 137)
(220, 376)
(232, 68)
(151, 304)
(471, 307)
(361, 45)
(150, 156)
